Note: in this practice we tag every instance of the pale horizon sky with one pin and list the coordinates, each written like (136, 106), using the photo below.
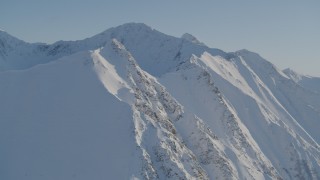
(286, 33)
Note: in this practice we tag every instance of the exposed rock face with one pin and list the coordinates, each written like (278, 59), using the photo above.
(132, 102)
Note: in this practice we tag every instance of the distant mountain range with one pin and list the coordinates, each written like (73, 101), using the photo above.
(134, 103)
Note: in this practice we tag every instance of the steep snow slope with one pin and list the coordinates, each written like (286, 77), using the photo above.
(193, 86)
(300, 103)
(259, 121)
(254, 104)
(59, 112)
(155, 111)
(58, 122)
(132, 102)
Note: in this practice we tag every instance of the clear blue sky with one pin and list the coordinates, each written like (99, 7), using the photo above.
(285, 32)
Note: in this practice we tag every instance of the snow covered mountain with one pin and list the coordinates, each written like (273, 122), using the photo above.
(308, 82)
(134, 103)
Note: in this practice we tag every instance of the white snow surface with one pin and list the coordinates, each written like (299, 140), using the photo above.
(134, 103)
(59, 122)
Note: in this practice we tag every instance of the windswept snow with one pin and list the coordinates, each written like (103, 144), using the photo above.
(134, 103)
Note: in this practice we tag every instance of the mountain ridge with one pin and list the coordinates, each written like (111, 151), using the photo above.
(153, 106)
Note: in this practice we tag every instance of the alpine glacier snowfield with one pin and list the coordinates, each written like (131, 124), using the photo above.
(134, 103)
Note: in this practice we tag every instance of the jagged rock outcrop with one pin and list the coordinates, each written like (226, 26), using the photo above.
(132, 102)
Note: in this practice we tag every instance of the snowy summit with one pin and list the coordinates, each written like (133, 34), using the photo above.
(134, 103)
(191, 38)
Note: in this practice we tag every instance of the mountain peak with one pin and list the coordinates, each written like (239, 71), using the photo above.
(129, 27)
(292, 74)
(8, 41)
(134, 25)
(243, 51)
(250, 55)
(191, 38)
(162, 107)
(288, 70)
